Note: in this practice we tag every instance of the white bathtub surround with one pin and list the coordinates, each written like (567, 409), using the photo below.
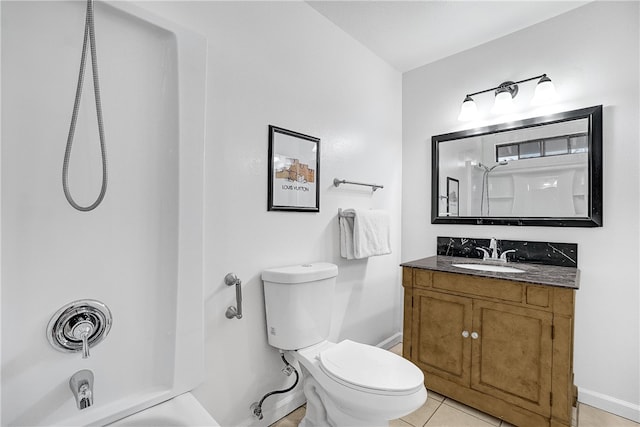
(140, 251)
(181, 411)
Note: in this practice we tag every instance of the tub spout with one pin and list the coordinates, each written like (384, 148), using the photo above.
(81, 384)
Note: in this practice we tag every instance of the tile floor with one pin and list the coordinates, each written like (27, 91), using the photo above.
(440, 411)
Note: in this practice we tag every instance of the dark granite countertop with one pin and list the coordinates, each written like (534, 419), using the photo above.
(566, 277)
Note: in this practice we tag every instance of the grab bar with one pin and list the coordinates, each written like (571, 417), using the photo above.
(337, 182)
(230, 280)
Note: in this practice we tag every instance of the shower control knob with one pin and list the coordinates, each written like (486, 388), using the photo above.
(82, 331)
(82, 328)
(78, 326)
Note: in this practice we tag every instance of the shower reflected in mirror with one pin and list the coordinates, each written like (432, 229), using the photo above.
(543, 171)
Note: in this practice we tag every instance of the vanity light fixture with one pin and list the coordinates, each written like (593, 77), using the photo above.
(545, 92)
(469, 110)
(504, 94)
(504, 98)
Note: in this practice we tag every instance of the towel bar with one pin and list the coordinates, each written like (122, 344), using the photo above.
(342, 214)
(337, 182)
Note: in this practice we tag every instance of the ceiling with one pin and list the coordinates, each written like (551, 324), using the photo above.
(409, 34)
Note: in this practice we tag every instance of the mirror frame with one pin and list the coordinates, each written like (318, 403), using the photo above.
(594, 208)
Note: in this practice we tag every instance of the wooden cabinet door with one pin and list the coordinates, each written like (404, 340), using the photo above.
(512, 354)
(438, 346)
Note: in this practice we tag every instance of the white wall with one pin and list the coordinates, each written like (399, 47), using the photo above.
(592, 55)
(282, 63)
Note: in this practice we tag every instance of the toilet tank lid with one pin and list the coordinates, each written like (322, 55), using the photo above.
(301, 273)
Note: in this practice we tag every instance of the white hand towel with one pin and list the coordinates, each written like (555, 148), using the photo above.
(346, 237)
(371, 233)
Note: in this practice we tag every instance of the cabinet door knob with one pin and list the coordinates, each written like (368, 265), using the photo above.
(465, 334)
(474, 335)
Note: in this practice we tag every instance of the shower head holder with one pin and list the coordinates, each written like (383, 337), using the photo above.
(78, 326)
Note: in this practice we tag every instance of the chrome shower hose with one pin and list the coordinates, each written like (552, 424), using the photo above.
(89, 38)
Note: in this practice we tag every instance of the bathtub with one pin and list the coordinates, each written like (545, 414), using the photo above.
(183, 410)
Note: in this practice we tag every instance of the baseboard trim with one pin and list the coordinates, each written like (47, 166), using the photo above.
(391, 341)
(610, 404)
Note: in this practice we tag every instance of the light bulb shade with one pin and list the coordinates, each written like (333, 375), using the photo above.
(545, 92)
(468, 111)
(503, 102)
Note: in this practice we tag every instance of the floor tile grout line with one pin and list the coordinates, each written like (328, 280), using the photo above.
(434, 412)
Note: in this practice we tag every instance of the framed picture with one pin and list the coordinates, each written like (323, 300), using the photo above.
(453, 196)
(294, 171)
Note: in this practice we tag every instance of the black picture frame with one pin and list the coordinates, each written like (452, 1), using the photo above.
(593, 216)
(294, 171)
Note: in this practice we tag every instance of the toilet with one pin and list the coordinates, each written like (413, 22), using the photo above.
(345, 383)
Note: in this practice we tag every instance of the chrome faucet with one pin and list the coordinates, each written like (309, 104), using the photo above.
(493, 247)
(485, 254)
(503, 255)
(81, 384)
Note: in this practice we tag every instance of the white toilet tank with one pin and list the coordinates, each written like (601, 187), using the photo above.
(298, 301)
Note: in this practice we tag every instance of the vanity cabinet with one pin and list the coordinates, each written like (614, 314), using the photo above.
(501, 346)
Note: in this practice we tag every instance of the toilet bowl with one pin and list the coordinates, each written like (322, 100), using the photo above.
(345, 383)
(364, 385)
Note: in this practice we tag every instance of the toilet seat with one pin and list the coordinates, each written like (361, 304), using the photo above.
(370, 369)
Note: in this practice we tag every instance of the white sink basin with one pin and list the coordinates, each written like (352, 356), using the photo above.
(489, 267)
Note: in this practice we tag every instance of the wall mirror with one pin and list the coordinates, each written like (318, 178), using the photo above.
(544, 171)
